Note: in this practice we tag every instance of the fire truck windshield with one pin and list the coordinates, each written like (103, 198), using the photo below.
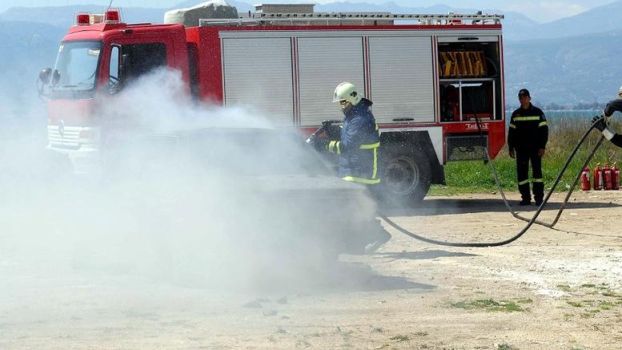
(76, 67)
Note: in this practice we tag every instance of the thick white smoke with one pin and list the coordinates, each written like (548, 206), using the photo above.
(161, 101)
(189, 195)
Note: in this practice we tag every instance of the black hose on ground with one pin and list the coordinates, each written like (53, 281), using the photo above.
(531, 221)
(493, 170)
(570, 191)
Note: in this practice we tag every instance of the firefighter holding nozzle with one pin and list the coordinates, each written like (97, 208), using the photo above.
(356, 144)
(359, 140)
(600, 121)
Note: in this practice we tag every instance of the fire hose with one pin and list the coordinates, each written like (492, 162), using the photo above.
(530, 222)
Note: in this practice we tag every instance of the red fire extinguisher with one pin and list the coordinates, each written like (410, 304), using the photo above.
(585, 179)
(615, 177)
(598, 177)
(607, 184)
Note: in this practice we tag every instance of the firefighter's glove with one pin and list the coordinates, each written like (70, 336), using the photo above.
(599, 122)
(320, 144)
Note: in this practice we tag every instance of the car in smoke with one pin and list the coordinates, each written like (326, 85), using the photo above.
(256, 191)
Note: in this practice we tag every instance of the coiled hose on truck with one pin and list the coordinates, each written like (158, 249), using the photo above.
(530, 222)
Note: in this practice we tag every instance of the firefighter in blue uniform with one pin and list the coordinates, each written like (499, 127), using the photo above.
(359, 141)
(601, 121)
(357, 149)
(527, 138)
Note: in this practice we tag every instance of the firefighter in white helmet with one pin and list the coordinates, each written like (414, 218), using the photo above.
(358, 145)
(600, 121)
(357, 149)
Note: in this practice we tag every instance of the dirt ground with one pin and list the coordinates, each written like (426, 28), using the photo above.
(552, 289)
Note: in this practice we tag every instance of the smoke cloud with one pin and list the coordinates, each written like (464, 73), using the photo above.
(184, 194)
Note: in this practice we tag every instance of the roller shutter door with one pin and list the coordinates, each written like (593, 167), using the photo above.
(258, 73)
(402, 78)
(324, 63)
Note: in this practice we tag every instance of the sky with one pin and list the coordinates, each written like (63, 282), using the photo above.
(539, 10)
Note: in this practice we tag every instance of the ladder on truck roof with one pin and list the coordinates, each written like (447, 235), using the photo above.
(355, 18)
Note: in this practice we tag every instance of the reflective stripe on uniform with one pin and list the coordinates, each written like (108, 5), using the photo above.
(538, 180)
(375, 172)
(334, 147)
(373, 180)
(512, 126)
(361, 180)
(542, 124)
(370, 146)
(524, 182)
(527, 119)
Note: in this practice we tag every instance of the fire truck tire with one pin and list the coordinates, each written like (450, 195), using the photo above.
(406, 178)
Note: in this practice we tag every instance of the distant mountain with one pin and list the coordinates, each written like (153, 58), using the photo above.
(597, 20)
(580, 69)
(26, 48)
(65, 16)
(517, 26)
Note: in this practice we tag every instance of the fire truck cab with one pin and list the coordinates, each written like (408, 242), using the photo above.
(436, 80)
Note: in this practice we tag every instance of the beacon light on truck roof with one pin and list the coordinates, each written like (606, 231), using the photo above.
(83, 19)
(111, 16)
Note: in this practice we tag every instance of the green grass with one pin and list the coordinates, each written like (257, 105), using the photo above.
(601, 299)
(492, 305)
(475, 176)
(400, 338)
(505, 346)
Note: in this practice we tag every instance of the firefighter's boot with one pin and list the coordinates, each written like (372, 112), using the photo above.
(524, 193)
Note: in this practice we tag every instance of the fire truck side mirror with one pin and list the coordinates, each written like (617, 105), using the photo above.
(44, 75)
(55, 77)
(44, 81)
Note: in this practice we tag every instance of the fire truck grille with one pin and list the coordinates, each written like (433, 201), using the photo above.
(64, 137)
(466, 147)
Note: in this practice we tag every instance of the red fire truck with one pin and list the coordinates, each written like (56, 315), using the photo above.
(436, 80)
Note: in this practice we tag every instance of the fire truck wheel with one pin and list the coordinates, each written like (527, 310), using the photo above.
(405, 178)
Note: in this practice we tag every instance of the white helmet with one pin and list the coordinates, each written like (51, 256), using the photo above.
(620, 92)
(347, 91)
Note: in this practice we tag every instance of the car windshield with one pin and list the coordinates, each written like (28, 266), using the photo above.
(76, 66)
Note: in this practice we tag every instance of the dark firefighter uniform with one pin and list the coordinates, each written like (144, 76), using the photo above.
(601, 123)
(527, 134)
(358, 147)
